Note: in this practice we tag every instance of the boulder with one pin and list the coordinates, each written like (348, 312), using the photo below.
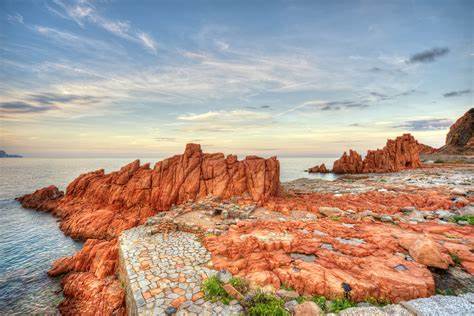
(330, 211)
(308, 308)
(318, 169)
(427, 252)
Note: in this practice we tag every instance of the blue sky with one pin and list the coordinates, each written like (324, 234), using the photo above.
(291, 78)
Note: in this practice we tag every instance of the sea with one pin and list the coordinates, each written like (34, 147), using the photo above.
(30, 240)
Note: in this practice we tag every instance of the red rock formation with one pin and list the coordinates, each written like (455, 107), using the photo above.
(318, 169)
(399, 154)
(315, 258)
(460, 138)
(379, 202)
(99, 206)
(426, 150)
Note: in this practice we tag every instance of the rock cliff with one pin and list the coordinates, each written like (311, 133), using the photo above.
(460, 138)
(399, 154)
(99, 206)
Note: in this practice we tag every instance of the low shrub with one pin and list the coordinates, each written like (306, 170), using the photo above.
(263, 304)
(340, 304)
(465, 218)
(240, 284)
(214, 291)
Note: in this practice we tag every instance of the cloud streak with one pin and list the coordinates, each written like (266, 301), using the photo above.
(425, 125)
(456, 93)
(428, 56)
(83, 12)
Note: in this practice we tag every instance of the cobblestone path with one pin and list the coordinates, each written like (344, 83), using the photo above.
(163, 273)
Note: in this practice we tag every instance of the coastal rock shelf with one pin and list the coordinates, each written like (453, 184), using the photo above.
(164, 271)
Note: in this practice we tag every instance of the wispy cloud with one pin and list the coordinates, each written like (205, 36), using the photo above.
(428, 56)
(456, 93)
(15, 18)
(425, 124)
(19, 107)
(83, 12)
(224, 121)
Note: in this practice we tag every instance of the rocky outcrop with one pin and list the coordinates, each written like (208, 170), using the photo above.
(399, 154)
(318, 169)
(426, 150)
(327, 257)
(460, 138)
(99, 206)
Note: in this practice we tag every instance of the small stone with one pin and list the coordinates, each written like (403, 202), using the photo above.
(290, 305)
(170, 310)
(386, 219)
(463, 223)
(287, 295)
(224, 276)
(331, 211)
(308, 308)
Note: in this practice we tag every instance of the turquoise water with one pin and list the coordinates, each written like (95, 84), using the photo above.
(30, 241)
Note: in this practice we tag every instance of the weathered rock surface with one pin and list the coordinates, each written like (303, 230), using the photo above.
(99, 206)
(318, 169)
(399, 154)
(426, 150)
(316, 258)
(460, 138)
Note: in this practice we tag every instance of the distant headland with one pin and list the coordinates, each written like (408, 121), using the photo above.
(3, 154)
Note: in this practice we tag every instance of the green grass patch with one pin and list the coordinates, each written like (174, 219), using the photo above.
(335, 218)
(455, 258)
(465, 218)
(340, 304)
(445, 292)
(263, 304)
(214, 291)
(240, 284)
(378, 301)
(320, 300)
(286, 287)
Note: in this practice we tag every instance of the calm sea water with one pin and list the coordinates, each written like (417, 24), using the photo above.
(30, 241)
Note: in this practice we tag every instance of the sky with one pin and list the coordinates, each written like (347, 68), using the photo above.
(287, 78)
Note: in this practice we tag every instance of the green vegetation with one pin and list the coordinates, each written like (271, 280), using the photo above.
(320, 300)
(240, 284)
(262, 304)
(378, 301)
(339, 304)
(286, 287)
(445, 292)
(439, 161)
(465, 218)
(214, 291)
(335, 218)
(455, 258)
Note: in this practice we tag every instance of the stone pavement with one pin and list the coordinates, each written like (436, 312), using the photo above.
(162, 274)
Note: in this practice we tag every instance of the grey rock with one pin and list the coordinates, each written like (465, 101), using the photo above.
(287, 295)
(224, 276)
(386, 218)
(290, 305)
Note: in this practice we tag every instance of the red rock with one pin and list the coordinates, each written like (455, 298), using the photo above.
(85, 294)
(379, 202)
(460, 138)
(399, 154)
(45, 199)
(426, 150)
(99, 206)
(308, 308)
(318, 169)
(370, 257)
(427, 252)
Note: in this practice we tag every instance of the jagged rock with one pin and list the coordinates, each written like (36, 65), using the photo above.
(318, 169)
(287, 295)
(399, 154)
(425, 149)
(99, 206)
(460, 138)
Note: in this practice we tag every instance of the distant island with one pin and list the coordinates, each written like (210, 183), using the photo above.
(3, 154)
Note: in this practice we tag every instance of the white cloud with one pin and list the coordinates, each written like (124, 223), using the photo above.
(83, 11)
(15, 18)
(148, 41)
